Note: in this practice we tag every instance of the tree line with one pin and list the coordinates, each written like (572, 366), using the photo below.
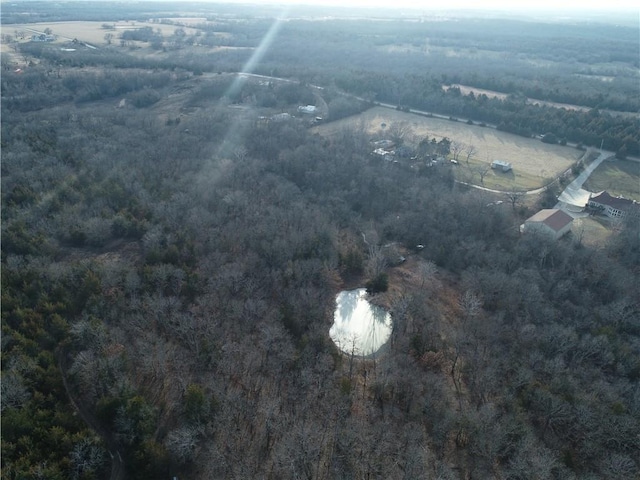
(512, 114)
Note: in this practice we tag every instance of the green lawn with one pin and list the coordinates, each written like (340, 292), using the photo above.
(619, 178)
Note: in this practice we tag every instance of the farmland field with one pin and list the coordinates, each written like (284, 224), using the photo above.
(620, 177)
(91, 32)
(466, 90)
(535, 163)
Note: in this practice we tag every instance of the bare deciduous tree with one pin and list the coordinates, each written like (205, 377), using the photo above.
(456, 149)
(399, 131)
(482, 171)
(86, 457)
(470, 150)
(377, 261)
(182, 443)
(470, 304)
(515, 197)
(427, 271)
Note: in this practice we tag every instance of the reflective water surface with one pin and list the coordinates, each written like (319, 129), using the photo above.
(359, 328)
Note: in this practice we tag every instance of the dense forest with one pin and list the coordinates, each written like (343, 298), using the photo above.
(169, 272)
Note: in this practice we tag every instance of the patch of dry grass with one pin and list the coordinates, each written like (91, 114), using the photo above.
(591, 231)
(466, 90)
(515, 180)
(619, 178)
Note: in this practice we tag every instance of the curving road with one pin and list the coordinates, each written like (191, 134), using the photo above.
(573, 195)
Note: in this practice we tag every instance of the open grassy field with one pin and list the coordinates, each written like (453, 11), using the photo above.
(619, 178)
(90, 32)
(466, 90)
(534, 163)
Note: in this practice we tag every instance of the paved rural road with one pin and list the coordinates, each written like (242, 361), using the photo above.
(580, 179)
(573, 195)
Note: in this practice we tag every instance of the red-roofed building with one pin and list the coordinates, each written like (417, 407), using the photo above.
(614, 207)
(552, 222)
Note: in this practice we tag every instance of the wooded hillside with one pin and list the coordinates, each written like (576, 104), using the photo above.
(169, 272)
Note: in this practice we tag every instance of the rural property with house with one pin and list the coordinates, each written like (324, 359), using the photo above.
(321, 242)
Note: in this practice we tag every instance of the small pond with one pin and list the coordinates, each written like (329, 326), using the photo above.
(359, 328)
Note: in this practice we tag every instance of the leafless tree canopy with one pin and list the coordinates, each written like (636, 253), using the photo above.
(174, 236)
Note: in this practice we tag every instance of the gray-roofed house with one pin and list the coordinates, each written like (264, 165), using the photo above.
(614, 207)
(551, 222)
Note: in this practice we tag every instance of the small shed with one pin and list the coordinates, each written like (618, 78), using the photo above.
(307, 109)
(551, 222)
(501, 165)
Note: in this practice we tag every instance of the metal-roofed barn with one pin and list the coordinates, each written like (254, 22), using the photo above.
(551, 222)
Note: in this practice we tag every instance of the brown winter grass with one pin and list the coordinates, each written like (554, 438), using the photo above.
(518, 179)
(91, 32)
(619, 178)
(466, 90)
(592, 231)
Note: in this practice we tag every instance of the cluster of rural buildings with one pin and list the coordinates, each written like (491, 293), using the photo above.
(555, 223)
(42, 37)
(388, 150)
(308, 110)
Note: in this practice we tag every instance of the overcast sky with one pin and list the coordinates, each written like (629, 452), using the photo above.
(469, 4)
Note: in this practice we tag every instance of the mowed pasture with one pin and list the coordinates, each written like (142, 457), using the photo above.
(535, 164)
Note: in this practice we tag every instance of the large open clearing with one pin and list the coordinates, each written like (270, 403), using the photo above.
(90, 32)
(467, 90)
(535, 164)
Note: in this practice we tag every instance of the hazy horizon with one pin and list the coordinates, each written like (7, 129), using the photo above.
(526, 5)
